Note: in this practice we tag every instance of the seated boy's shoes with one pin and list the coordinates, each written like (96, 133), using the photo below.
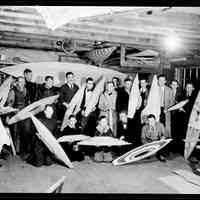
(75, 148)
(3, 157)
(108, 157)
(161, 158)
(48, 161)
(30, 158)
(76, 156)
(98, 156)
(79, 156)
(24, 156)
(36, 163)
(87, 158)
(193, 160)
(148, 158)
(195, 168)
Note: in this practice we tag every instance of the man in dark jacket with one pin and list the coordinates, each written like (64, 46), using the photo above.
(176, 120)
(30, 86)
(117, 83)
(41, 155)
(136, 123)
(19, 98)
(123, 96)
(67, 91)
(123, 131)
(88, 124)
(47, 89)
(189, 93)
(154, 131)
(71, 148)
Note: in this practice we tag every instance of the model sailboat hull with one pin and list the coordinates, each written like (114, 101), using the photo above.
(141, 152)
(50, 141)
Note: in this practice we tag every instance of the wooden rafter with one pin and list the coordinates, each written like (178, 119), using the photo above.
(134, 28)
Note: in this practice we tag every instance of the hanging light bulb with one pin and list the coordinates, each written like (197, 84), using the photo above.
(172, 42)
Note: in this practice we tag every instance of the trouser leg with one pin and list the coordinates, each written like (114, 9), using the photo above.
(88, 124)
(163, 152)
(84, 121)
(38, 158)
(25, 136)
(15, 130)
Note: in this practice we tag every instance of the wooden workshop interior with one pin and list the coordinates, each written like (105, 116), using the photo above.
(137, 40)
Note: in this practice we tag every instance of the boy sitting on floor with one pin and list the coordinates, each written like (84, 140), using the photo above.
(71, 128)
(154, 131)
(41, 155)
(71, 148)
(103, 154)
(123, 130)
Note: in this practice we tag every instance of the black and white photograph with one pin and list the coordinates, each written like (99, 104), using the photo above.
(99, 99)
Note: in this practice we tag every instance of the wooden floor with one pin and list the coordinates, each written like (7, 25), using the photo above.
(90, 177)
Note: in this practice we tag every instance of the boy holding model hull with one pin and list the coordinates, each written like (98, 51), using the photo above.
(103, 154)
(154, 131)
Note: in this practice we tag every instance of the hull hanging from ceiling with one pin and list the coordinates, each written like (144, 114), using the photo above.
(58, 71)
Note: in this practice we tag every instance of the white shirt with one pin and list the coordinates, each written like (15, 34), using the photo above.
(162, 90)
(71, 85)
(143, 90)
(88, 95)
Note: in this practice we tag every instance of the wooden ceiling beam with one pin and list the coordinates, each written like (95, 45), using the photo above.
(19, 22)
(138, 29)
(26, 16)
(86, 41)
(145, 21)
(80, 34)
(30, 36)
(140, 36)
(35, 41)
(134, 69)
(109, 37)
(27, 39)
(134, 14)
(92, 28)
(28, 45)
(140, 43)
(9, 27)
(111, 30)
(187, 19)
(104, 30)
(167, 16)
(20, 9)
(149, 25)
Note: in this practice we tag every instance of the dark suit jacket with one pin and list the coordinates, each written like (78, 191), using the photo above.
(66, 93)
(70, 131)
(51, 124)
(178, 95)
(122, 100)
(43, 92)
(83, 101)
(144, 96)
(32, 90)
(188, 107)
(126, 132)
(108, 133)
(168, 97)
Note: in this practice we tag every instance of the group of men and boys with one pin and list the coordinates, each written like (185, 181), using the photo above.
(108, 118)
